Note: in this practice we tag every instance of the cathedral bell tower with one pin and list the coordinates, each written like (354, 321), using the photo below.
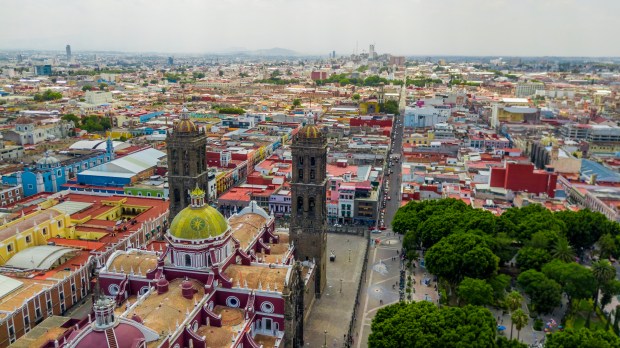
(308, 228)
(187, 162)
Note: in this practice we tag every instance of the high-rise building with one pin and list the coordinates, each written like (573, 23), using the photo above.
(333, 54)
(308, 228)
(20, 58)
(187, 164)
(170, 61)
(371, 52)
(68, 49)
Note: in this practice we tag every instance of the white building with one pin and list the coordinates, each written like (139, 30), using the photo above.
(98, 97)
(425, 116)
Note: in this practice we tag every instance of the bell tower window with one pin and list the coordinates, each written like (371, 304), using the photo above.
(188, 260)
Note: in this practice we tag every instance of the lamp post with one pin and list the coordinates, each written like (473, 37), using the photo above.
(341, 286)
(325, 342)
(349, 255)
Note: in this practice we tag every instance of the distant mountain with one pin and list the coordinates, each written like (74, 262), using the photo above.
(276, 51)
(269, 52)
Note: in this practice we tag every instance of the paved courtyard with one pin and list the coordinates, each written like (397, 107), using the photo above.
(332, 312)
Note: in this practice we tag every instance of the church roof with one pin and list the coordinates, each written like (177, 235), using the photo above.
(309, 131)
(198, 222)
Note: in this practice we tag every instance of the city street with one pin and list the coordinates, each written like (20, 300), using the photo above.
(381, 286)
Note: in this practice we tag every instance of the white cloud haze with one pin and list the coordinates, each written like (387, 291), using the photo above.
(412, 27)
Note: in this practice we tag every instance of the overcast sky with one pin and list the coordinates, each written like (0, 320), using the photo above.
(411, 27)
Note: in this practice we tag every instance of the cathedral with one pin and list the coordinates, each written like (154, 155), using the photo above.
(212, 281)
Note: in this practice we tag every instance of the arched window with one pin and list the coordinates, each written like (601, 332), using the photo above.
(311, 174)
(177, 196)
(311, 204)
(301, 159)
(300, 174)
(300, 204)
(312, 161)
(188, 260)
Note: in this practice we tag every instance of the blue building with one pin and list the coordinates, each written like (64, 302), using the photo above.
(49, 173)
(43, 69)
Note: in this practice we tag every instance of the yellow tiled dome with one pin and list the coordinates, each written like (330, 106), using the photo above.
(309, 131)
(185, 126)
(198, 221)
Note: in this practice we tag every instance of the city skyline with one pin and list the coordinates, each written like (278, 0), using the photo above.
(448, 27)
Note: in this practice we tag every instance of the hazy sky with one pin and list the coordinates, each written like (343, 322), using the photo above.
(413, 27)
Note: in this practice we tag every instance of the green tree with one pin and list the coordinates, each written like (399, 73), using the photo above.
(220, 73)
(390, 107)
(603, 273)
(198, 75)
(513, 301)
(356, 97)
(519, 319)
(503, 342)
(576, 280)
(606, 245)
(545, 294)
(563, 251)
(475, 292)
(231, 111)
(422, 324)
(584, 227)
(461, 255)
(47, 96)
(532, 258)
(72, 118)
(87, 88)
(296, 102)
(103, 86)
(582, 338)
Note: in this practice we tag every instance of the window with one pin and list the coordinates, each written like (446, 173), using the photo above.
(312, 161)
(311, 174)
(311, 204)
(59, 173)
(30, 186)
(148, 194)
(28, 239)
(300, 203)
(301, 159)
(300, 174)
(188, 260)
(9, 247)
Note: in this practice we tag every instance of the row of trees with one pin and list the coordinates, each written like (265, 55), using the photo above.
(473, 253)
(422, 324)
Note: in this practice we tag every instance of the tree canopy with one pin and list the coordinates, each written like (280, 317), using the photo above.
(47, 95)
(582, 338)
(545, 294)
(422, 324)
(461, 255)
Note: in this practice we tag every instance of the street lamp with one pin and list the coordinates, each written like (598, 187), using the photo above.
(325, 343)
(349, 255)
(341, 286)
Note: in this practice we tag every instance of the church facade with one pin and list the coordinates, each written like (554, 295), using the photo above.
(212, 281)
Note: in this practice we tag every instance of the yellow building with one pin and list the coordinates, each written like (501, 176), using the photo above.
(369, 107)
(33, 229)
(419, 138)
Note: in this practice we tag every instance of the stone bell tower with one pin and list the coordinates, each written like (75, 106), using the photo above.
(308, 228)
(187, 162)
